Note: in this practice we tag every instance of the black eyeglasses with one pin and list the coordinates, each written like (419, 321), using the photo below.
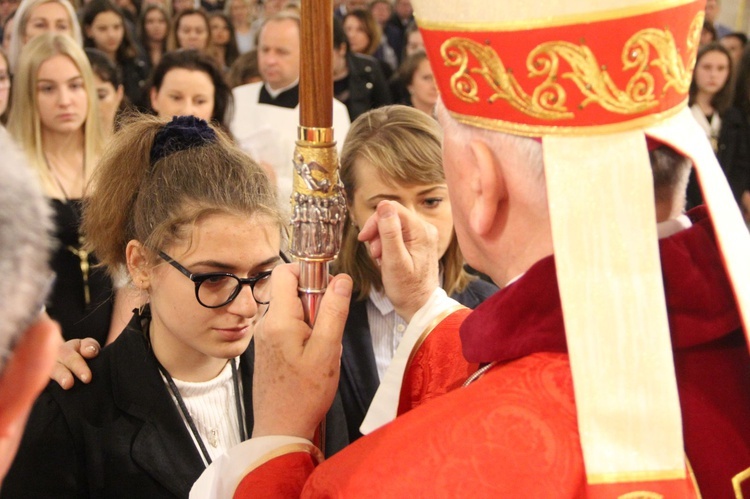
(216, 289)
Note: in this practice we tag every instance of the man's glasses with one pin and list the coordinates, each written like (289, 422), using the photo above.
(216, 289)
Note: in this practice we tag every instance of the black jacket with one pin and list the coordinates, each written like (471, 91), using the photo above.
(367, 87)
(733, 156)
(359, 373)
(121, 435)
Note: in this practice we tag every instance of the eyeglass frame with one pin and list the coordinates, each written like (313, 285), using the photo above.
(200, 278)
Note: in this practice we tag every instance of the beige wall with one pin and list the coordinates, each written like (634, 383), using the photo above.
(730, 13)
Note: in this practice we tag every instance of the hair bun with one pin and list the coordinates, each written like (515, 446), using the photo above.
(180, 134)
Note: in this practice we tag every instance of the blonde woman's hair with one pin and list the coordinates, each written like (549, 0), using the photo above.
(24, 122)
(22, 20)
(404, 145)
(157, 201)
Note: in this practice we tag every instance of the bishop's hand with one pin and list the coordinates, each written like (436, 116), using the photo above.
(296, 370)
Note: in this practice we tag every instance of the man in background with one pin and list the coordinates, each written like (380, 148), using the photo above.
(267, 112)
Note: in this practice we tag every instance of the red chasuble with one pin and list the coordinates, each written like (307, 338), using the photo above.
(514, 432)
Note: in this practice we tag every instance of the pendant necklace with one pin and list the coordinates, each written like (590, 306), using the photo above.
(80, 252)
(189, 419)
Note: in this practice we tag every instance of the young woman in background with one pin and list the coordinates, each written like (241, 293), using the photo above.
(153, 32)
(56, 122)
(188, 83)
(393, 153)
(104, 28)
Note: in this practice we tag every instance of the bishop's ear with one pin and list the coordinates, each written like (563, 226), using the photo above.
(487, 186)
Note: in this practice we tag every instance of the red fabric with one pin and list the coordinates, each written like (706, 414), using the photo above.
(513, 433)
(430, 373)
(280, 477)
(710, 353)
(513, 83)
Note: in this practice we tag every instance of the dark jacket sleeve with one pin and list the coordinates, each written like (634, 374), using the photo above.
(734, 151)
(47, 464)
(368, 88)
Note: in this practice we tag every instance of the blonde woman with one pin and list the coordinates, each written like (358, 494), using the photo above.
(55, 120)
(35, 17)
(392, 153)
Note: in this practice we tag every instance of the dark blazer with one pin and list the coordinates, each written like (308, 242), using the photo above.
(359, 373)
(119, 436)
(368, 88)
(733, 156)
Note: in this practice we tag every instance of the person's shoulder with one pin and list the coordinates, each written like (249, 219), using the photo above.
(246, 92)
(86, 396)
(361, 61)
(477, 291)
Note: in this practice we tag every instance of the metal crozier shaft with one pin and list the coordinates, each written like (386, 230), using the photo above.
(318, 209)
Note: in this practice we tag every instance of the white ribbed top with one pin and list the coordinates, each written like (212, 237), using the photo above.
(212, 406)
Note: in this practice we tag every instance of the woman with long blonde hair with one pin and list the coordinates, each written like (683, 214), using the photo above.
(55, 120)
(35, 17)
(391, 153)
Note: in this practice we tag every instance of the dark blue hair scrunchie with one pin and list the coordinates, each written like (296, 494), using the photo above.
(180, 134)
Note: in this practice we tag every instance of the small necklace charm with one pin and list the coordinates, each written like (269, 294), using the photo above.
(213, 437)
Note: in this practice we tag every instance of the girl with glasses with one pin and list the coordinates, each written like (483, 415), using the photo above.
(196, 223)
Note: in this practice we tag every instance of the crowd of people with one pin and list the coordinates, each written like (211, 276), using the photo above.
(458, 336)
(168, 59)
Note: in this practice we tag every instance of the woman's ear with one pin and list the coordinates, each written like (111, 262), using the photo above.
(139, 265)
(152, 95)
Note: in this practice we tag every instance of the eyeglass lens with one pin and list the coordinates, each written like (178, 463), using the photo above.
(219, 290)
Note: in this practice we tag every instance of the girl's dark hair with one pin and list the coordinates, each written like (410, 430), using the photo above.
(108, 72)
(742, 83)
(195, 60)
(409, 67)
(244, 69)
(371, 27)
(127, 49)
(173, 41)
(103, 67)
(4, 116)
(231, 51)
(723, 98)
(142, 26)
(339, 35)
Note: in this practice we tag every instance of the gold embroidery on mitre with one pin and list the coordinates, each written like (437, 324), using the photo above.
(590, 77)
(456, 51)
(641, 494)
(548, 99)
(737, 482)
(677, 74)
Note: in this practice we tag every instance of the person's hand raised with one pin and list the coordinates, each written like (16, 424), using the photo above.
(296, 371)
(406, 248)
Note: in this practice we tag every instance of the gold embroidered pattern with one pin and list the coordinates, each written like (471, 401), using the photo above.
(641, 494)
(548, 100)
(737, 482)
(637, 53)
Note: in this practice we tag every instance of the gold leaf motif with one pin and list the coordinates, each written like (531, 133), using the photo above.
(547, 101)
(641, 494)
(591, 79)
(457, 52)
(677, 74)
